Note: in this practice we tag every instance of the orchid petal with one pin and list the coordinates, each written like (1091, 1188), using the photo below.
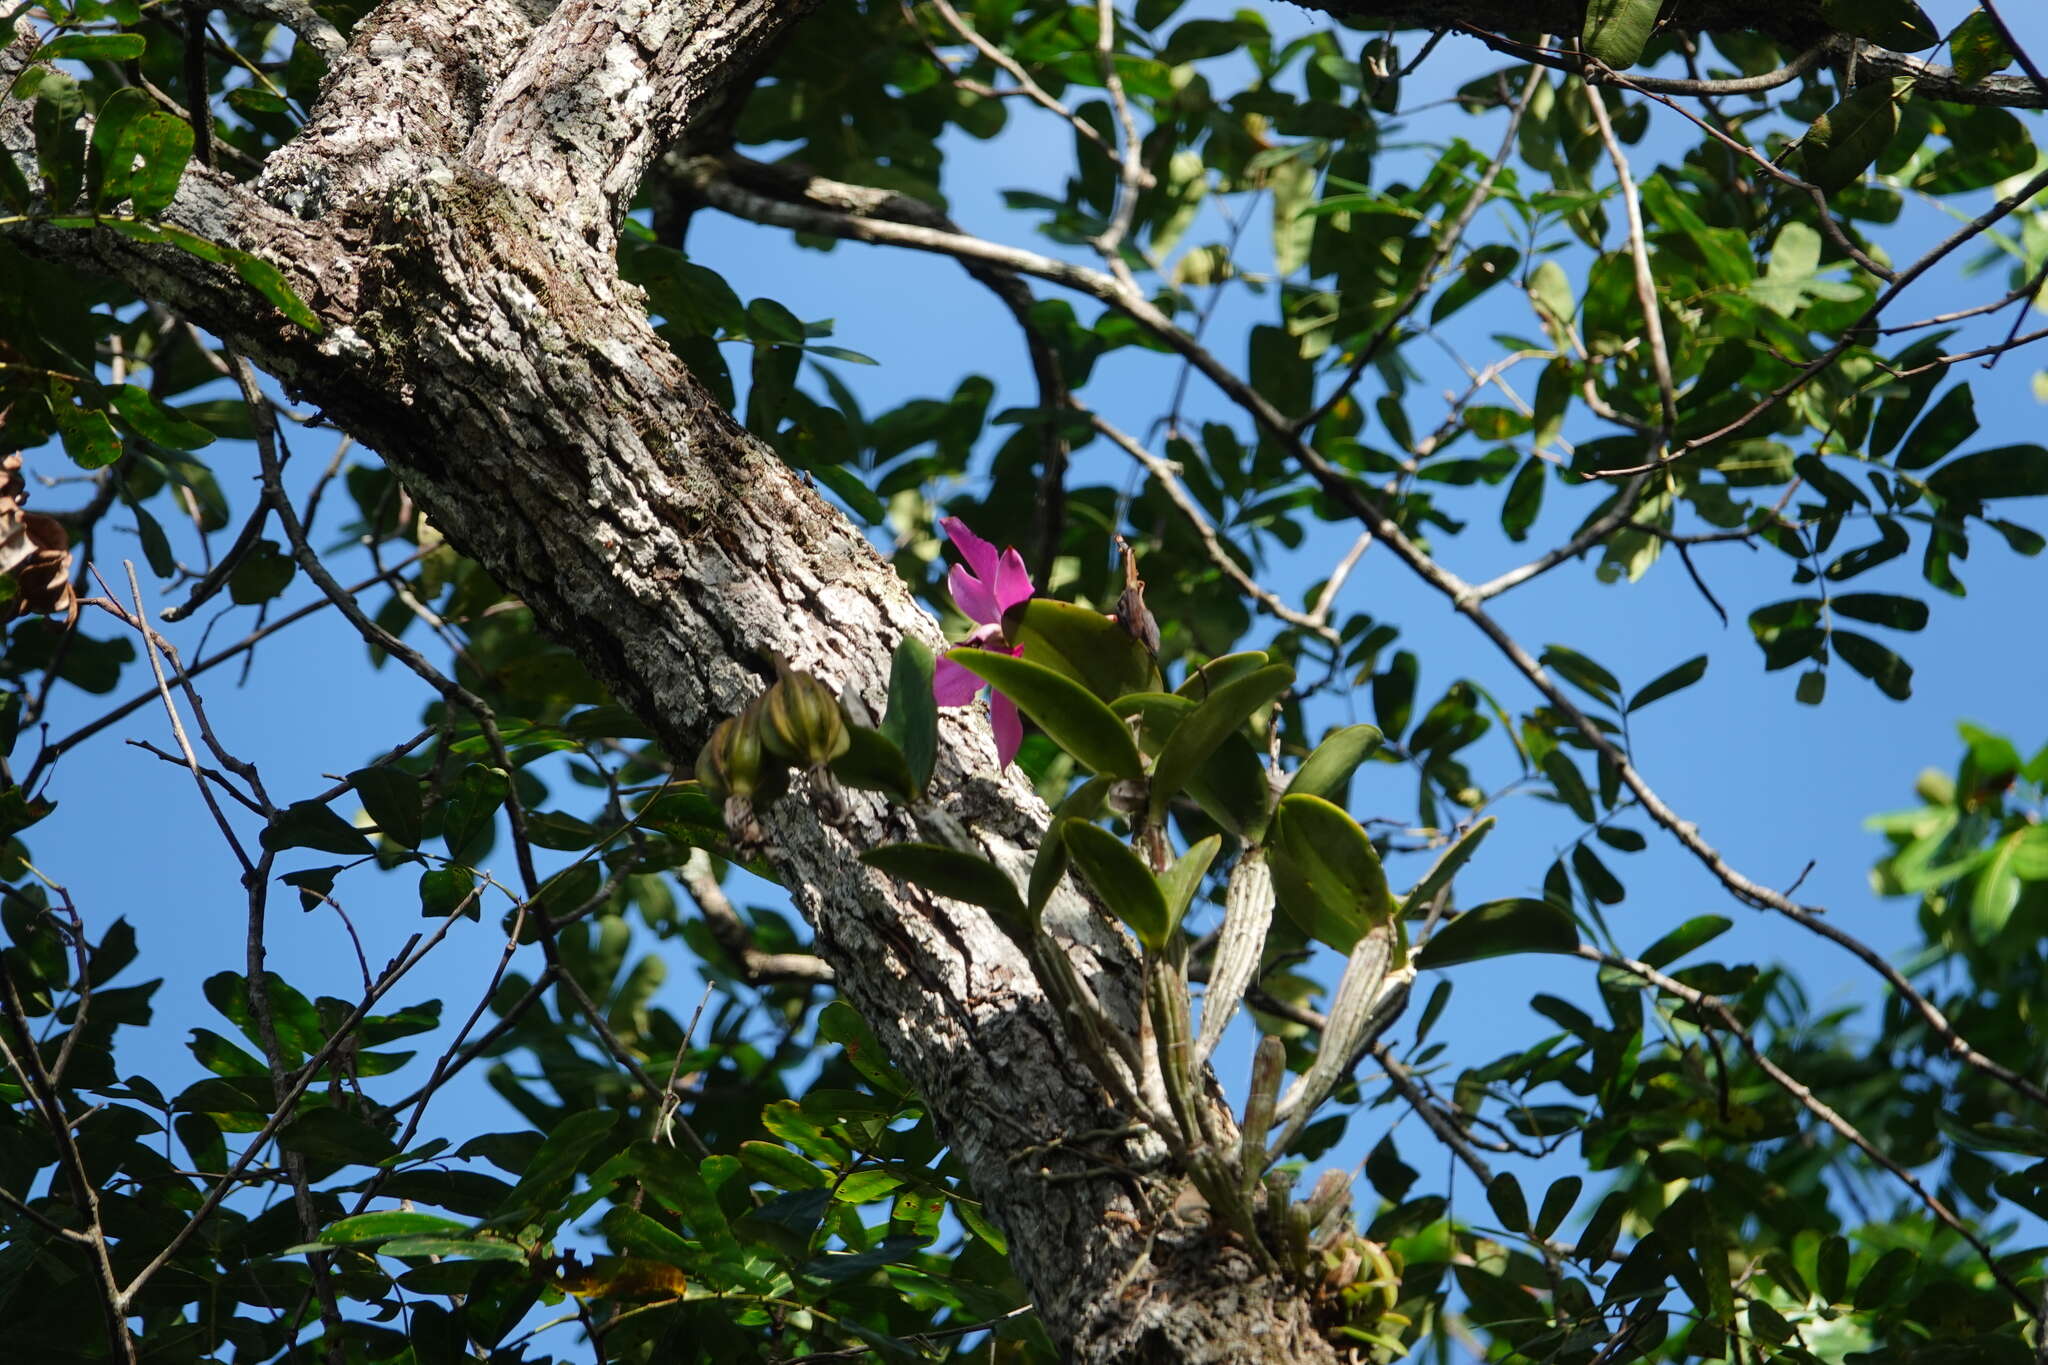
(953, 685)
(1009, 728)
(972, 596)
(1012, 582)
(979, 554)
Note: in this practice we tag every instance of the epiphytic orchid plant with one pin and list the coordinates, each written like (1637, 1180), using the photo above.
(984, 588)
(1160, 780)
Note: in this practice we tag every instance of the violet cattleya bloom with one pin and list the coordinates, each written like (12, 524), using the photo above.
(983, 588)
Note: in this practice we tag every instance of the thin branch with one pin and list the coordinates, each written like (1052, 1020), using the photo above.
(1814, 1105)
(216, 577)
(1030, 88)
(2012, 43)
(268, 446)
(1639, 252)
(1933, 82)
(1447, 244)
(51, 752)
(731, 933)
(34, 1078)
(1131, 178)
(1162, 471)
(1961, 235)
(409, 955)
(1589, 535)
(787, 181)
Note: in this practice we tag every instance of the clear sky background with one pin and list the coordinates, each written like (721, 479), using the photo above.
(1774, 784)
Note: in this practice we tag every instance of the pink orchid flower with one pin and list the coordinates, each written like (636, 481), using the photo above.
(983, 588)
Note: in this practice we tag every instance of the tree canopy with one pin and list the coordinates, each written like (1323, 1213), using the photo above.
(980, 866)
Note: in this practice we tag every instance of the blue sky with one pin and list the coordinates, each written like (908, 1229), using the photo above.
(1772, 783)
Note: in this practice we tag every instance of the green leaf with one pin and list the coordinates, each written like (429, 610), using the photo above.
(1180, 882)
(1664, 684)
(1069, 713)
(1504, 1193)
(1876, 1285)
(1524, 501)
(1844, 141)
(1231, 788)
(1557, 1203)
(93, 47)
(1884, 609)
(222, 1057)
(1050, 863)
(1896, 24)
(872, 762)
(89, 438)
(1120, 877)
(116, 112)
(464, 1248)
(1326, 772)
(1695, 933)
(1975, 51)
(1582, 673)
(60, 146)
(635, 1234)
(787, 1223)
(157, 423)
(337, 1136)
(146, 163)
(380, 1227)
(264, 572)
(469, 815)
(1084, 645)
(951, 873)
(1600, 884)
(852, 489)
(2030, 856)
(267, 280)
(310, 824)
(1498, 929)
(1571, 787)
(676, 1181)
(1616, 31)
(14, 188)
(1893, 675)
(1483, 269)
(1326, 874)
(555, 1163)
(912, 723)
(445, 890)
(769, 322)
(1997, 891)
(1204, 730)
(1445, 868)
(2007, 472)
(1225, 668)
(1949, 423)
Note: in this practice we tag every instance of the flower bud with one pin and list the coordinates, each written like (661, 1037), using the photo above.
(729, 765)
(801, 721)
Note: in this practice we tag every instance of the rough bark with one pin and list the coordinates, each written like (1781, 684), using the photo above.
(449, 215)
